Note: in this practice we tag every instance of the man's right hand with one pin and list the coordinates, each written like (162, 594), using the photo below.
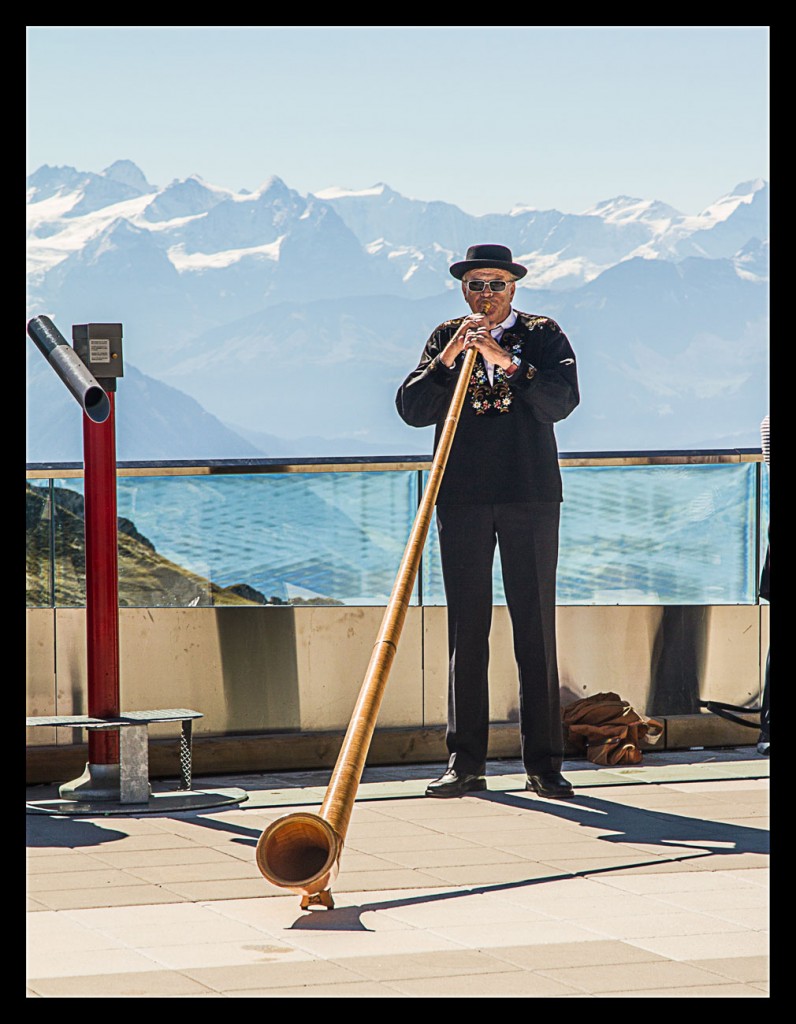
(457, 344)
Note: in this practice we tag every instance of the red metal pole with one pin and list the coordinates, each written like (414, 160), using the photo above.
(102, 582)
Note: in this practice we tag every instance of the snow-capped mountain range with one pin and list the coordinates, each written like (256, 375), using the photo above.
(274, 323)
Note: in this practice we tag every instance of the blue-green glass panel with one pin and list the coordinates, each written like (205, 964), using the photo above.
(320, 538)
(679, 535)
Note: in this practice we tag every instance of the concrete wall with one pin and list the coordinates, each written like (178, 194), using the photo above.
(296, 670)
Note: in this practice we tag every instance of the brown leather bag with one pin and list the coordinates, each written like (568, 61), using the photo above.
(608, 730)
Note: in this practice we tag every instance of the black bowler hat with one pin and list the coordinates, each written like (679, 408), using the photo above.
(488, 255)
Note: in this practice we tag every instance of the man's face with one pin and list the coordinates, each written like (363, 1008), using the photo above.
(499, 302)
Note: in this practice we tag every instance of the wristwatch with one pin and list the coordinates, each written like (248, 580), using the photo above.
(515, 365)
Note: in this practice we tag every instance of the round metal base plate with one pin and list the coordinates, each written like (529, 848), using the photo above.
(158, 803)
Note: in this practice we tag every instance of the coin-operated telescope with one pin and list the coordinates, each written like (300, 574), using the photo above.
(72, 370)
(90, 371)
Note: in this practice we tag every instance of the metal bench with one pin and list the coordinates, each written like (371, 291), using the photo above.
(133, 729)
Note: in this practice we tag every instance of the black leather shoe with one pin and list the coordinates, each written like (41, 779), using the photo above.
(452, 783)
(553, 785)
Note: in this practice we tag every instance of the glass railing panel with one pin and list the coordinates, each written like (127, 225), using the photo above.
(39, 544)
(661, 535)
(69, 548)
(65, 565)
(282, 538)
(680, 535)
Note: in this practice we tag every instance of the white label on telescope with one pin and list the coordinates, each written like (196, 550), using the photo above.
(99, 350)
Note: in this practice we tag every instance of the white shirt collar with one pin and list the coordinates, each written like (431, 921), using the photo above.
(510, 320)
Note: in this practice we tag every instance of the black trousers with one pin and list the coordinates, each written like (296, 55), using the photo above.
(527, 533)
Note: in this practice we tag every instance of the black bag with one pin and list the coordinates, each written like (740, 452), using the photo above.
(732, 711)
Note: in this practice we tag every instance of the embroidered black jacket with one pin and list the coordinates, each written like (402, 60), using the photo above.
(504, 448)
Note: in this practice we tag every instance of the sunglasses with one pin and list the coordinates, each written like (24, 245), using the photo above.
(494, 286)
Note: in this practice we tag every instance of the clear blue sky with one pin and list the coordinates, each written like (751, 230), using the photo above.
(550, 117)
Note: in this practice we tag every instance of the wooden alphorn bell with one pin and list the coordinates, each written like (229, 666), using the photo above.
(301, 851)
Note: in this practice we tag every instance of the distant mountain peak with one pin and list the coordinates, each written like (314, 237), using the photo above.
(48, 181)
(518, 209)
(621, 199)
(128, 173)
(272, 186)
(339, 192)
(627, 208)
(747, 187)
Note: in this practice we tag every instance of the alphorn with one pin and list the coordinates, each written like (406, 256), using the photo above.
(301, 851)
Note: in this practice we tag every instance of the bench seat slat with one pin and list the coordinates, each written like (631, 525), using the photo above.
(126, 718)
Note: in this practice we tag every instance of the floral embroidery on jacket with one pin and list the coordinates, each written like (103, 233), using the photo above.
(491, 398)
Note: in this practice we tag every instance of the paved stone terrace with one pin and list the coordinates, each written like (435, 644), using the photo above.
(652, 882)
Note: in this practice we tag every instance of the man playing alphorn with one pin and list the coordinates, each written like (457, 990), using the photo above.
(502, 484)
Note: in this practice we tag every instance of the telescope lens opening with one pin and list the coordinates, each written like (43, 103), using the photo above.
(97, 405)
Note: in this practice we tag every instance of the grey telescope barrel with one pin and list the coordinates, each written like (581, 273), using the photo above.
(70, 368)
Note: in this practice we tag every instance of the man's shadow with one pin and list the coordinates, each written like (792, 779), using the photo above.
(638, 825)
(624, 824)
